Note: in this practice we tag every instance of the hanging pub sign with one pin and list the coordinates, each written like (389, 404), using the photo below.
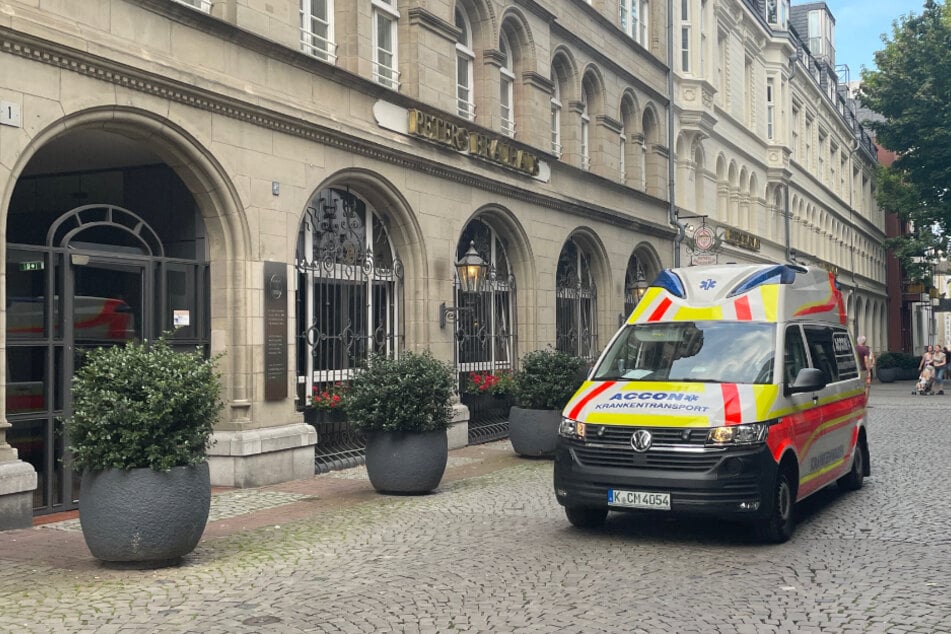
(704, 245)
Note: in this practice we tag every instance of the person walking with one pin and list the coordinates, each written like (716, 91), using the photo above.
(939, 359)
(865, 363)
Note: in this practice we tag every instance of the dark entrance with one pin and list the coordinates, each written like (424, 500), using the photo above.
(88, 276)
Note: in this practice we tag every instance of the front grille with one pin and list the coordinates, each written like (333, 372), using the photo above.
(621, 435)
(652, 459)
(610, 446)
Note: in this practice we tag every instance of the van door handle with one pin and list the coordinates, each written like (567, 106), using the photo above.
(815, 399)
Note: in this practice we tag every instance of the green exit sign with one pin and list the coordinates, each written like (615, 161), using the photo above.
(32, 266)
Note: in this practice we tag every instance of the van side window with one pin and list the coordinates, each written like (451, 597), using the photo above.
(822, 351)
(794, 355)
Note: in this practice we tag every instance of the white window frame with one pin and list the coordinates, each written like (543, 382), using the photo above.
(465, 57)
(506, 88)
(312, 43)
(770, 109)
(685, 36)
(622, 155)
(386, 75)
(585, 125)
(556, 117)
(202, 5)
(644, 21)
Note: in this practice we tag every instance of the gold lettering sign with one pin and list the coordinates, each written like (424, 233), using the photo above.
(444, 132)
(741, 239)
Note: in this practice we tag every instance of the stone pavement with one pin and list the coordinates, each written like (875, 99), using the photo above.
(491, 551)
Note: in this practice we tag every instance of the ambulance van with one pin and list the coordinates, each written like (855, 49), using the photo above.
(731, 391)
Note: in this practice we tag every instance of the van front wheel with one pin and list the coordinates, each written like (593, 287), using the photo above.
(586, 516)
(778, 526)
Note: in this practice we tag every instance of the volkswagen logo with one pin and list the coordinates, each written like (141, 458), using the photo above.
(641, 440)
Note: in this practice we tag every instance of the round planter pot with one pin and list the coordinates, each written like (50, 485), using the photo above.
(145, 517)
(886, 375)
(534, 432)
(406, 462)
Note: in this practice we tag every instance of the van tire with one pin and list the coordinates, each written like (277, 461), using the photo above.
(855, 478)
(779, 525)
(586, 516)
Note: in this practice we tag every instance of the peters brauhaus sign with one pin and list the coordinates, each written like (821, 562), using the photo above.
(457, 137)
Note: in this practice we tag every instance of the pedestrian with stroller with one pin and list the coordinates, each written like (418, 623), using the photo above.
(939, 359)
(865, 363)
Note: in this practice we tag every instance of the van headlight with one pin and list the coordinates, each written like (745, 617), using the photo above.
(571, 429)
(750, 434)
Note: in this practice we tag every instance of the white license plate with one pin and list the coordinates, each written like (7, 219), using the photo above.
(639, 499)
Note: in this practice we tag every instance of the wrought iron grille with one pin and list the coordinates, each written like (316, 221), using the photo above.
(485, 339)
(349, 305)
(576, 325)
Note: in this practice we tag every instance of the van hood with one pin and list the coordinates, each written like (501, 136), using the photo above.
(652, 404)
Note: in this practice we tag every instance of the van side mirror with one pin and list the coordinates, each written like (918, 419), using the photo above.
(808, 380)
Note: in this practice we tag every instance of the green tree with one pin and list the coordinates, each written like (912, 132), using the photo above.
(911, 89)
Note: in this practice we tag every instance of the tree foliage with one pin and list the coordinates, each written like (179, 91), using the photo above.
(911, 89)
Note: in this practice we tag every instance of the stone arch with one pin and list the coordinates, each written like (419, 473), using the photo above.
(628, 113)
(220, 206)
(655, 175)
(581, 306)
(723, 189)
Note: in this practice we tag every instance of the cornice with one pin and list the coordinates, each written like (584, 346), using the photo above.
(433, 23)
(42, 51)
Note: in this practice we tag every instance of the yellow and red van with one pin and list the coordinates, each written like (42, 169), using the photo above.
(730, 391)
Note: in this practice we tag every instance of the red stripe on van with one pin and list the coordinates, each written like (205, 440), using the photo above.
(660, 310)
(732, 412)
(573, 414)
(742, 306)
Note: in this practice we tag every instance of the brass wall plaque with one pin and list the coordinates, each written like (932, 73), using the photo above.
(275, 331)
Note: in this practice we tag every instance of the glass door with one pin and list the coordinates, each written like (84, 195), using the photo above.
(105, 305)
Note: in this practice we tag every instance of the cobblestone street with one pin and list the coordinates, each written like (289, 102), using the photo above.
(491, 551)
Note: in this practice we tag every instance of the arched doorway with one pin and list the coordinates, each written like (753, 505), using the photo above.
(105, 244)
(576, 303)
(485, 334)
(349, 305)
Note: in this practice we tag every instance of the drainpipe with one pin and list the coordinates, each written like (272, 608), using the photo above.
(794, 59)
(671, 188)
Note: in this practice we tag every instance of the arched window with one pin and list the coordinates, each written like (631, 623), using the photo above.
(636, 279)
(349, 289)
(485, 335)
(485, 326)
(555, 115)
(465, 105)
(585, 125)
(506, 87)
(576, 326)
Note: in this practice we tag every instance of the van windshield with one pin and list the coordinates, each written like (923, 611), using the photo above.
(700, 351)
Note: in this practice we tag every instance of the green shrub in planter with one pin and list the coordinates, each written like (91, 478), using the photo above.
(403, 407)
(141, 423)
(888, 360)
(410, 393)
(544, 383)
(547, 379)
(143, 405)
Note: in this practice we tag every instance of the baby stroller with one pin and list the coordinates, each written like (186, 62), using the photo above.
(925, 383)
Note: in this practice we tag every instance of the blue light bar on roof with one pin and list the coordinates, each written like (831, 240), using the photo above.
(779, 274)
(670, 283)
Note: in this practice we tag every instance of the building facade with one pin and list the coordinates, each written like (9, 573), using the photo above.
(769, 150)
(291, 182)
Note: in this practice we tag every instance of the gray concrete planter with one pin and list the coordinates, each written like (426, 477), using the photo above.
(406, 462)
(887, 375)
(534, 432)
(144, 517)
